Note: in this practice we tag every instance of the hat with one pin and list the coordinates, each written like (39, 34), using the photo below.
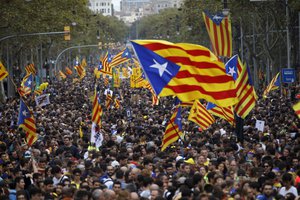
(115, 164)
(179, 158)
(181, 180)
(27, 154)
(190, 161)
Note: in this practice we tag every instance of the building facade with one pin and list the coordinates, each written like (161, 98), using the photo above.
(101, 6)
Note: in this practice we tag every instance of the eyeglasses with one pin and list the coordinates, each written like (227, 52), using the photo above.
(265, 166)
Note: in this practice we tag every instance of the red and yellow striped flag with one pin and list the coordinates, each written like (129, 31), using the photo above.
(62, 75)
(30, 69)
(3, 72)
(200, 115)
(108, 101)
(97, 110)
(187, 71)
(117, 103)
(27, 122)
(68, 71)
(296, 108)
(219, 30)
(173, 130)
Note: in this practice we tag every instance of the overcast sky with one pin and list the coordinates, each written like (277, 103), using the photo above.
(116, 4)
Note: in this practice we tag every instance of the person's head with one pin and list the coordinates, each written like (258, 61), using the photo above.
(117, 186)
(110, 170)
(82, 195)
(134, 196)
(77, 174)
(48, 185)
(109, 194)
(56, 171)
(97, 194)
(21, 195)
(267, 189)
(155, 193)
(67, 140)
(36, 194)
(37, 177)
(287, 179)
(20, 183)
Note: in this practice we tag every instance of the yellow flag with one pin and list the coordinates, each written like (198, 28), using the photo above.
(296, 107)
(83, 63)
(62, 75)
(80, 130)
(3, 72)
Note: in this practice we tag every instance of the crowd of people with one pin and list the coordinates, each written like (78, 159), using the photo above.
(206, 164)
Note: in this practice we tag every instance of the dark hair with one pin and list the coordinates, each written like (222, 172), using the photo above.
(55, 169)
(34, 191)
(48, 181)
(287, 177)
(80, 194)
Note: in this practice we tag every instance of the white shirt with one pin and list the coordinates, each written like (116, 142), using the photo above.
(292, 190)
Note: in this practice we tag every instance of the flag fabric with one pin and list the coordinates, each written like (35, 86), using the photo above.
(68, 71)
(125, 73)
(188, 71)
(26, 85)
(120, 58)
(42, 100)
(97, 110)
(106, 69)
(274, 84)
(30, 69)
(108, 101)
(3, 72)
(116, 78)
(80, 71)
(62, 75)
(27, 122)
(80, 130)
(200, 115)
(83, 63)
(219, 30)
(117, 103)
(245, 90)
(106, 81)
(96, 135)
(296, 108)
(173, 130)
(155, 100)
(222, 112)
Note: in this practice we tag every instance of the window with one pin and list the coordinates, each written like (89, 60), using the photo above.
(108, 3)
(108, 10)
(104, 4)
(96, 4)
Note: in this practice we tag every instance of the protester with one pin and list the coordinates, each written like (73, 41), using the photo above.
(209, 164)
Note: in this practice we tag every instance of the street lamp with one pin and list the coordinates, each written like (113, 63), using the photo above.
(225, 10)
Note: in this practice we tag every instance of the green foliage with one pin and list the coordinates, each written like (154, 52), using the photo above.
(36, 16)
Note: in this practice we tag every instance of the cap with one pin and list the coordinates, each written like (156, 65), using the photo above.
(181, 180)
(27, 154)
(179, 158)
(115, 164)
(190, 161)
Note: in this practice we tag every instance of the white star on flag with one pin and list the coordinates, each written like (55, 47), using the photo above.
(161, 68)
(231, 71)
(29, 82)
(24, 113)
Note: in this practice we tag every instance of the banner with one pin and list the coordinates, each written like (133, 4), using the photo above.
(42, 100)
